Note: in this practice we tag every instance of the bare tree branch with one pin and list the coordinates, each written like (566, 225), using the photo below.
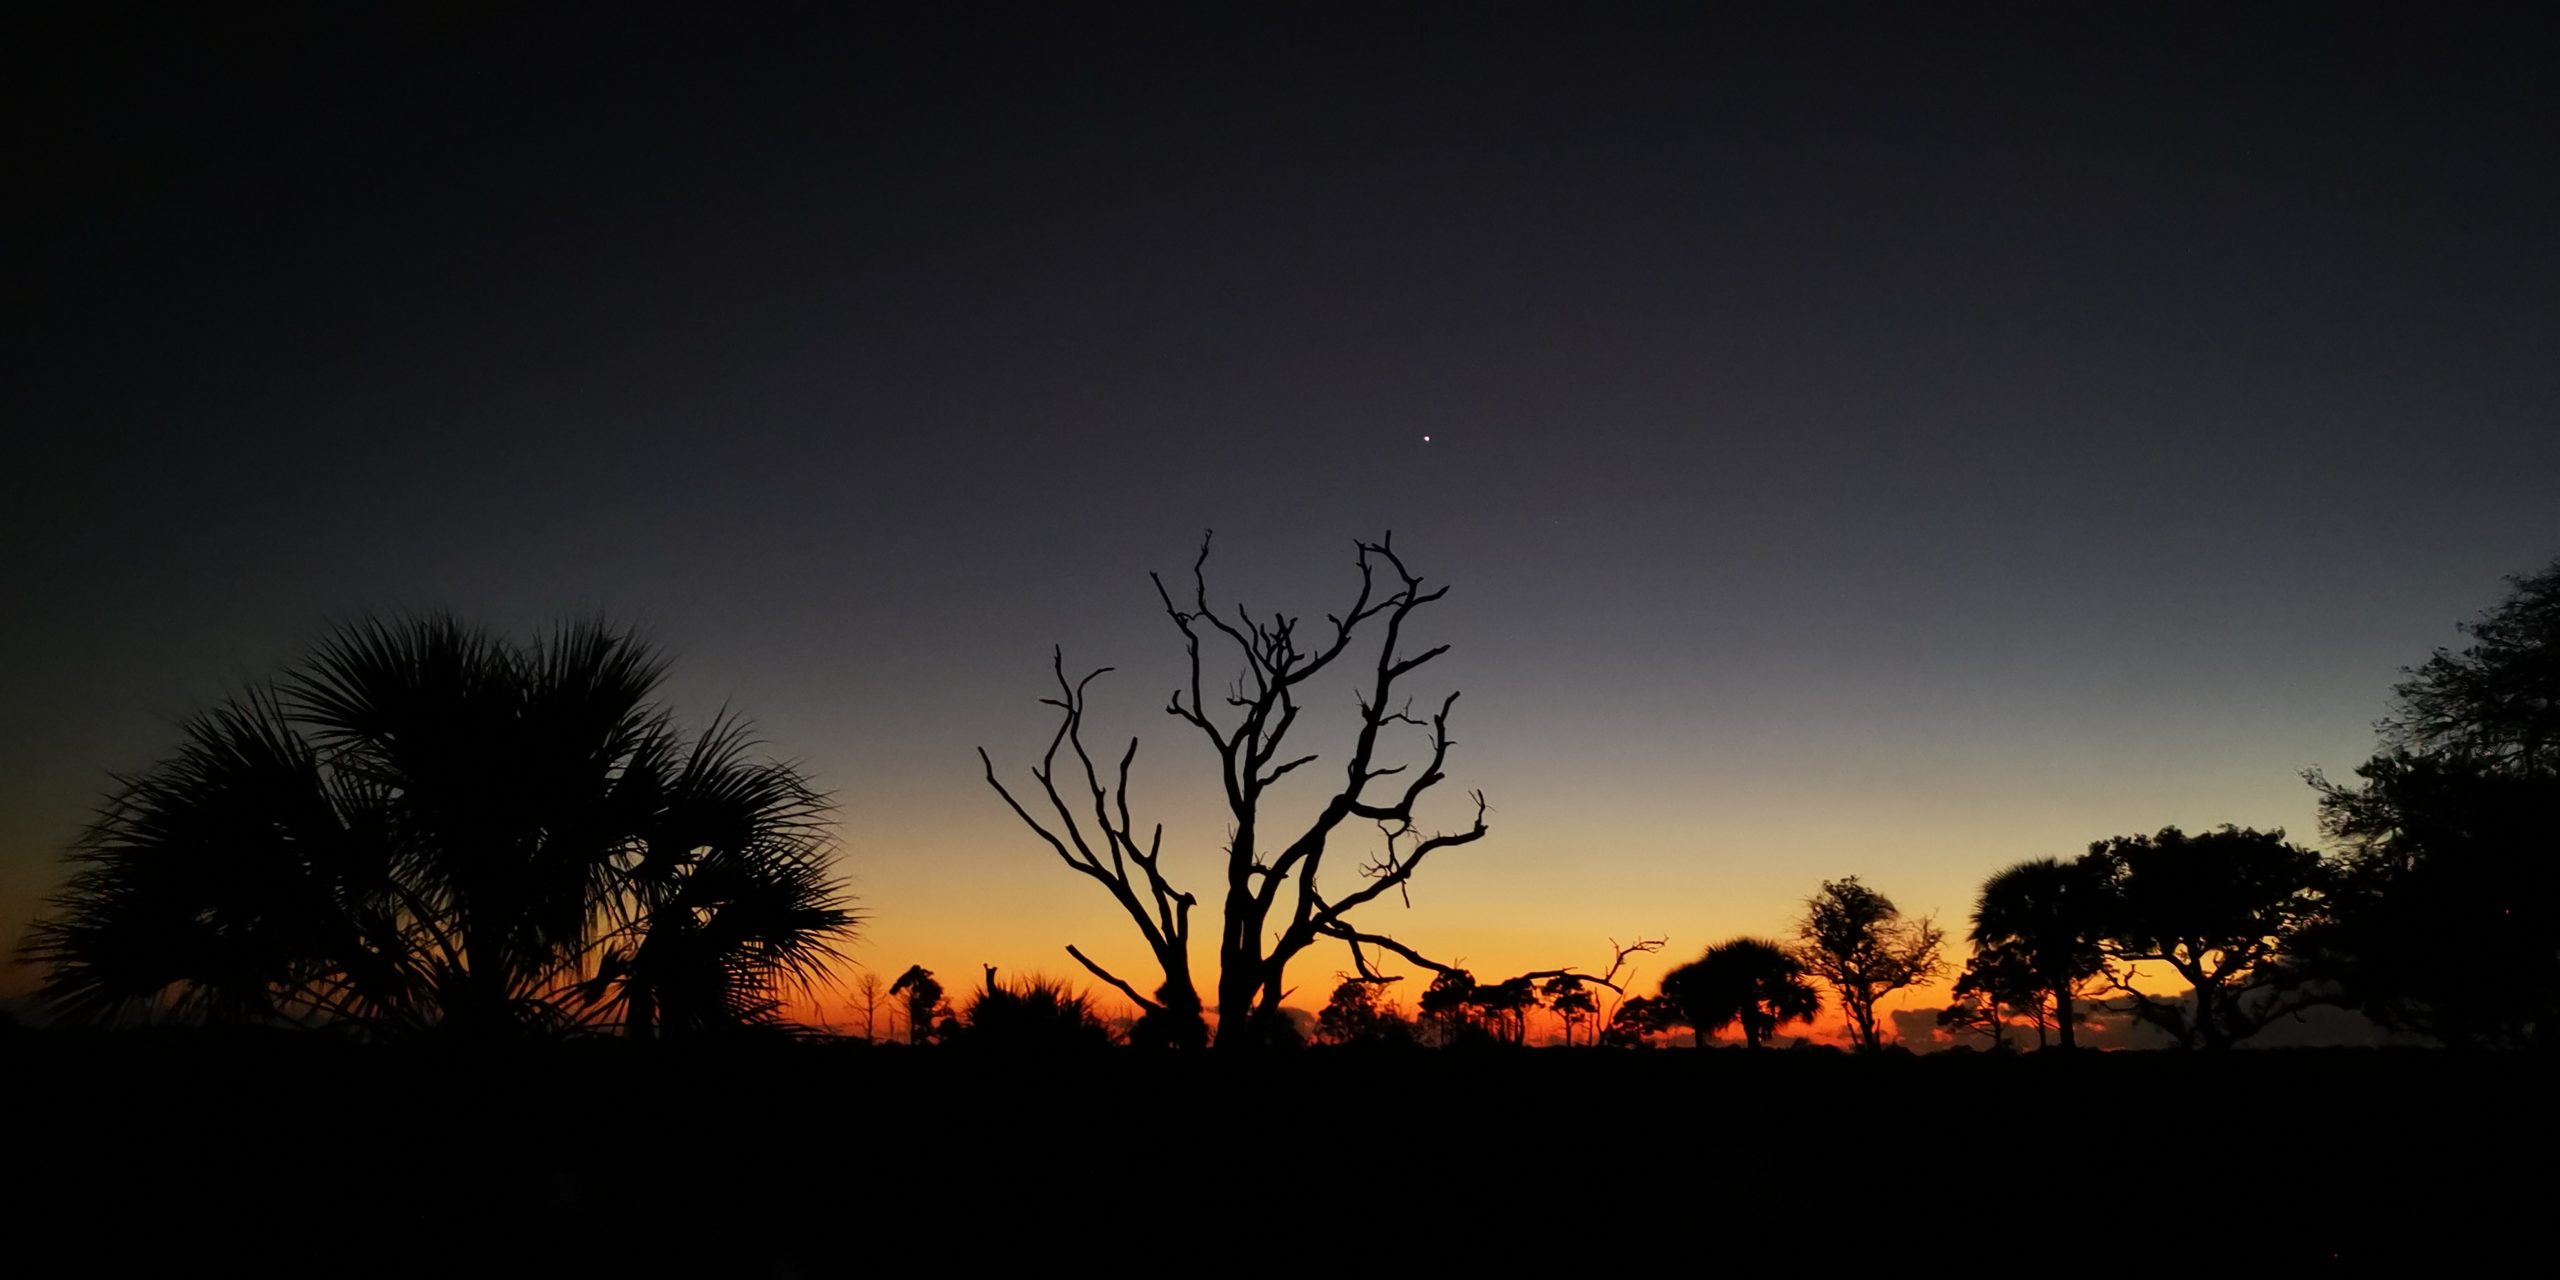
(1639, 947)
(1114, 979)
(1357, 939)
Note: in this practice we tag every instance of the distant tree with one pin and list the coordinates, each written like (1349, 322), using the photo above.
(1635, 1020)
(1856, 940)
(1449, 1007)
(2218, 909)
(2445, 915)
(923, 996)
(1996, 986)
(1457, 1009)
(1506, 1005)
(1681, 996)
(2045, 918)
(427, 827)
(1756, 983)
(1971, 1010)
(1036, 1014)
(1571, 1000)
(867, 993)
(1351, 1014)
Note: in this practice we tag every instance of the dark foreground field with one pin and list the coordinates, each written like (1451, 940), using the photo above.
(304, 1156)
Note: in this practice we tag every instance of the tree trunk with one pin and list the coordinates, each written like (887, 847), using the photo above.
(2062, 1013)
(1237, 990)
(2204, 1026)
(2209, 1023)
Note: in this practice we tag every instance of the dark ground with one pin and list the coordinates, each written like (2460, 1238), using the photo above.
(299, 1154)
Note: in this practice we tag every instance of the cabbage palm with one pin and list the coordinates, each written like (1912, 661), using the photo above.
(1757, 983)
(424, 826)
(2045, 917)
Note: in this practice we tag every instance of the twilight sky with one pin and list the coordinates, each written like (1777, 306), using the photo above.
(1892, 442)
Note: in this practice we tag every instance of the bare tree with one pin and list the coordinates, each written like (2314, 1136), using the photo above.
(1274, 900)
(867, 992)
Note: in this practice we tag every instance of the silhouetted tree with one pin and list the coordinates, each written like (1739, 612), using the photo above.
(2445, 915)
(1750, 981)
(1572, 1002)
(1350, 1014)
(1996, 985)
(1505, 1007)
(2444, 918)
(2496, 704)
(1636, 1018)
(1357, 1014)
(1681, 988)
(2217, 909)
(924, 998)
(1970, 1009)
(867, 991)
(2044, 917)
(1449, 1007)
(1856, 940)
(1273, 902)
(424, 826)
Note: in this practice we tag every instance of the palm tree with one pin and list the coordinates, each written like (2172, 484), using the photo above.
(424, 826)
(1752, 981)
(2045, 917)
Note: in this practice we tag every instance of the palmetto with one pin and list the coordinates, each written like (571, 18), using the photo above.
(423, 826)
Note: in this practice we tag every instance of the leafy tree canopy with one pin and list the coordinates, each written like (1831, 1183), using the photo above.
(1857, 940)
(2445, 918)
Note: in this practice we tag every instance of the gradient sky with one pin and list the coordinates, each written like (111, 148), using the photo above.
(1893, 442)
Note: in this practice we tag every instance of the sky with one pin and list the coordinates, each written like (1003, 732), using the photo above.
(1880, 441)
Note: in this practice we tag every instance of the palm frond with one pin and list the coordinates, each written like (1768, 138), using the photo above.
(423, 826)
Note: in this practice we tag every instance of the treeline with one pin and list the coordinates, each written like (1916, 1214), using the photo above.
(425, 829)
(2433, 914)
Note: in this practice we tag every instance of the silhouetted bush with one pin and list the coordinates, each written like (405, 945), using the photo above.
(1033, 1014)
